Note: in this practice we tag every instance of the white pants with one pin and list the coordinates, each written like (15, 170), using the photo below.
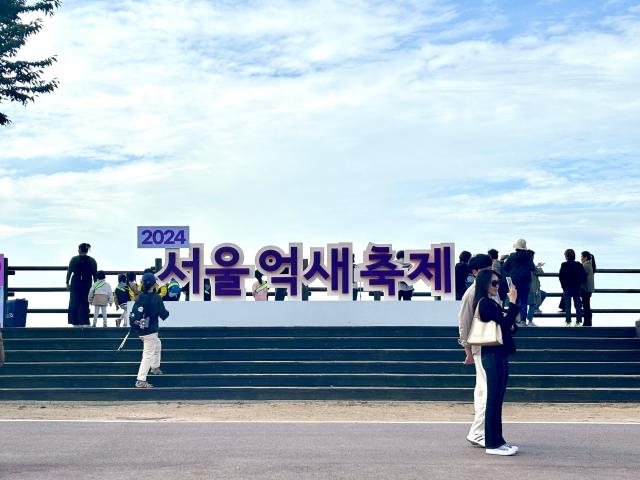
(124, 317)
(151, 348)
(479, 398)
(96, 313)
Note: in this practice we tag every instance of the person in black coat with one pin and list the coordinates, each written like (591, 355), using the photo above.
(81, 274)
(462, 271)
(519, 266)
(495, 359)
(572, 275)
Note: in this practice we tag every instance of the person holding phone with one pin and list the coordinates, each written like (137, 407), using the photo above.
(519, 266)
(495, 358)
(473, 353)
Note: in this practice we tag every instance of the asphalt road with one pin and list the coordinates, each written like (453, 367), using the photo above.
(113, 451)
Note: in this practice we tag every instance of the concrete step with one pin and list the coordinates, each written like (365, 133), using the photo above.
(454, 354)
(574, 395)
(295, 367)
(314, 343)
(327, 332)
(314, 380)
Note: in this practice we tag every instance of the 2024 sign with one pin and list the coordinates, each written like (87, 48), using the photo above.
(163, 237)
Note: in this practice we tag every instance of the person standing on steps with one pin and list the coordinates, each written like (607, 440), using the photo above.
(572, 275)
(519, 266)
(144, 321)
(588, 287)
(461, 273)
(81, 274)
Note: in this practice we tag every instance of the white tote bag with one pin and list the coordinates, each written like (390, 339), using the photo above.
(482, 333)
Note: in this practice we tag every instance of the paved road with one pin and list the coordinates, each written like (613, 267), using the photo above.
(294, 451)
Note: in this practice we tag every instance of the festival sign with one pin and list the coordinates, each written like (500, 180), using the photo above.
(333, 265)
(163, 237)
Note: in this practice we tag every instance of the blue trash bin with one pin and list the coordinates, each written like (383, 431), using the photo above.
(15, 314)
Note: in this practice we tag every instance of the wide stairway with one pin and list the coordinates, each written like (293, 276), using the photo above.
(324, 363)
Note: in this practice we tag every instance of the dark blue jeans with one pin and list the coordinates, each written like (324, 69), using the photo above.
(496, 365)
(523, 300)
(577, 303)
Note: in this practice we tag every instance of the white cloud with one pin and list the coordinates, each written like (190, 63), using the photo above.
(318, 121)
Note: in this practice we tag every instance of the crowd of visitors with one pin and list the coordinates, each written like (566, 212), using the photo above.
(576, 280)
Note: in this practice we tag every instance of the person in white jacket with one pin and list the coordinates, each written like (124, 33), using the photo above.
(100, 296)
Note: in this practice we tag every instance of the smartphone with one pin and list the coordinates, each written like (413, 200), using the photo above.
(509, 282)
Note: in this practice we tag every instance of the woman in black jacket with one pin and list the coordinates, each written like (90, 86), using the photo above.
(495, 358)
(572, 275)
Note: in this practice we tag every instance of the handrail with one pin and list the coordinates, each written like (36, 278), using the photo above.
(11, 270)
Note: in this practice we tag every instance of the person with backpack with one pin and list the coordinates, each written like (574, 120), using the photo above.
(134, 289)
(260, 288)
(161, 289)
(173, 291)
(143, 320)
(100, 295)
(572, 275)
(123, 295)
(81, 274)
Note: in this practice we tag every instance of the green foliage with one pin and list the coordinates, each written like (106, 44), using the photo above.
(21, 81)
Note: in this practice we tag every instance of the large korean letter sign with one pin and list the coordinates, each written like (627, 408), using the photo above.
(1, 290)
(228, 272)
(380, 272)
(333, 266)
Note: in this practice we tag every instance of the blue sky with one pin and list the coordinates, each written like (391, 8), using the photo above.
(404, 122)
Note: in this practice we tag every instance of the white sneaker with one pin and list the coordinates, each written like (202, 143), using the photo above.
(501, 450)
(477, 441)
(515, 447)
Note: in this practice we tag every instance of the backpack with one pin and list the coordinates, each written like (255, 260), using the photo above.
(122, 294)
(139, 316)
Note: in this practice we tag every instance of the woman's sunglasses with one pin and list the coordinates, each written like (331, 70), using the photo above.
(495, 283)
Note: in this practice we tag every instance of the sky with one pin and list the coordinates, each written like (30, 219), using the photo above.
(267, 122)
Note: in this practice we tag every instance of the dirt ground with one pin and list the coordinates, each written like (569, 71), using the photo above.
(312, 411)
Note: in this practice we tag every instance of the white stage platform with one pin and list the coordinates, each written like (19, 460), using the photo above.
(316, 313)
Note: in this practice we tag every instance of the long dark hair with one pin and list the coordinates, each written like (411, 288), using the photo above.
(589, 256)
(483, 280)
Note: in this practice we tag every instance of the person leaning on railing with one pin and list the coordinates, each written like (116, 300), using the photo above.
(572, 275)
(588, 287)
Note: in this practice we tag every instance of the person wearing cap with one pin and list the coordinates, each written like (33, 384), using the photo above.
(161, 289)
(475, 436)
(519, 266)
(152, 346)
